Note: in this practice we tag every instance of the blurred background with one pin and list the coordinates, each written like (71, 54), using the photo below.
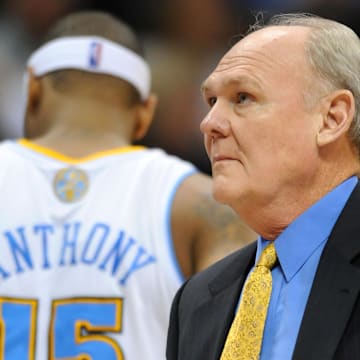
(183, 39)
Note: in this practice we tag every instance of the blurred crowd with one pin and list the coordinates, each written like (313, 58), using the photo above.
(183, 40)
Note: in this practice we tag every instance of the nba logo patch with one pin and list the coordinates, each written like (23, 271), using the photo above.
(95, 54)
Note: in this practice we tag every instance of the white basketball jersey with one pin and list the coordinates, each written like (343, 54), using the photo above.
(87, 265)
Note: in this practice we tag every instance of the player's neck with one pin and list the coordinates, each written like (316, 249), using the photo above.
(77, 145)
(88, 113)
(83, 130)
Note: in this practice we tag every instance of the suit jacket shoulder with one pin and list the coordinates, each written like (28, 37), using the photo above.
(203, 308)
(330, 328)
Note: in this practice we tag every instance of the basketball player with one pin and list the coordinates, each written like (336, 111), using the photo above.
(96, 234)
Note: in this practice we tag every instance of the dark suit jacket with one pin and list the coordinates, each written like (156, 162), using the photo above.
(203, 308)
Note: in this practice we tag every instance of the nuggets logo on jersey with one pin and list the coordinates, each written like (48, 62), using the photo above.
(95, 54)
(70, 184)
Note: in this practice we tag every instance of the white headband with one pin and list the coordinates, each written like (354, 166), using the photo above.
(92, 54)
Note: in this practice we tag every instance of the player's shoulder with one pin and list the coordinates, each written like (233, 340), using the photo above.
(8, 150)
(164, 167)
(166, 158)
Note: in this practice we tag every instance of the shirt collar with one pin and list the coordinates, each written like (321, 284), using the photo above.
(310, 230)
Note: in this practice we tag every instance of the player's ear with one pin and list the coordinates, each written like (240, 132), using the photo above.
(33, 92)
(144, 116)
(337, 115)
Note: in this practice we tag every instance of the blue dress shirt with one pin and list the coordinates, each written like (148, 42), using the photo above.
(299, 248)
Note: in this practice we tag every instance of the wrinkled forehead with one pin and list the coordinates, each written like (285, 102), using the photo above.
(272, 50)
(273, 40)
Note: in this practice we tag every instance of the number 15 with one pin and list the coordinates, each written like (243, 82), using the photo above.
(76, 331)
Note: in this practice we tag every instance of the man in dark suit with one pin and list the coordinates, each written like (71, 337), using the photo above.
(283, 137)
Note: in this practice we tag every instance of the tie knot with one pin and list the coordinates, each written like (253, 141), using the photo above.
(268, 257)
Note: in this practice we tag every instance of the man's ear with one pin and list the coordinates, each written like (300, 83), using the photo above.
(337, 115)
(33, 92)
(144, 116)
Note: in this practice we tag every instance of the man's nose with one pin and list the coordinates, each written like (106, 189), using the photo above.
(215, 123)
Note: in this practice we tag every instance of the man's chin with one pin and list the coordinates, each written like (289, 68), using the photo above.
(221, 194)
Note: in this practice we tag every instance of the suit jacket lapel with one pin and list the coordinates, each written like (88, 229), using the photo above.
(224, 296)
(335, 289)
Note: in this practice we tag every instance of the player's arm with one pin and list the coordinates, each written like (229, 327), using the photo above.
(203, 230)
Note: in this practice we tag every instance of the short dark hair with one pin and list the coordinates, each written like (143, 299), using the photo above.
(96, 23)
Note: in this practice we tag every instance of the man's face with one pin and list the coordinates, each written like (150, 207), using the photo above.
(260, 134)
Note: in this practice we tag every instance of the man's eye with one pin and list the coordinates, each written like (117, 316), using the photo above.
(242, 97)
(212, 101)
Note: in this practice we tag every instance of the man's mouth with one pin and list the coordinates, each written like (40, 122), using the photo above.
(219, 158)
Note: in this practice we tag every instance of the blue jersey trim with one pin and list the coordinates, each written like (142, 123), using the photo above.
(171, 247)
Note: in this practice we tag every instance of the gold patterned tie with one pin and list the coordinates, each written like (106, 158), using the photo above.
(245, 336)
